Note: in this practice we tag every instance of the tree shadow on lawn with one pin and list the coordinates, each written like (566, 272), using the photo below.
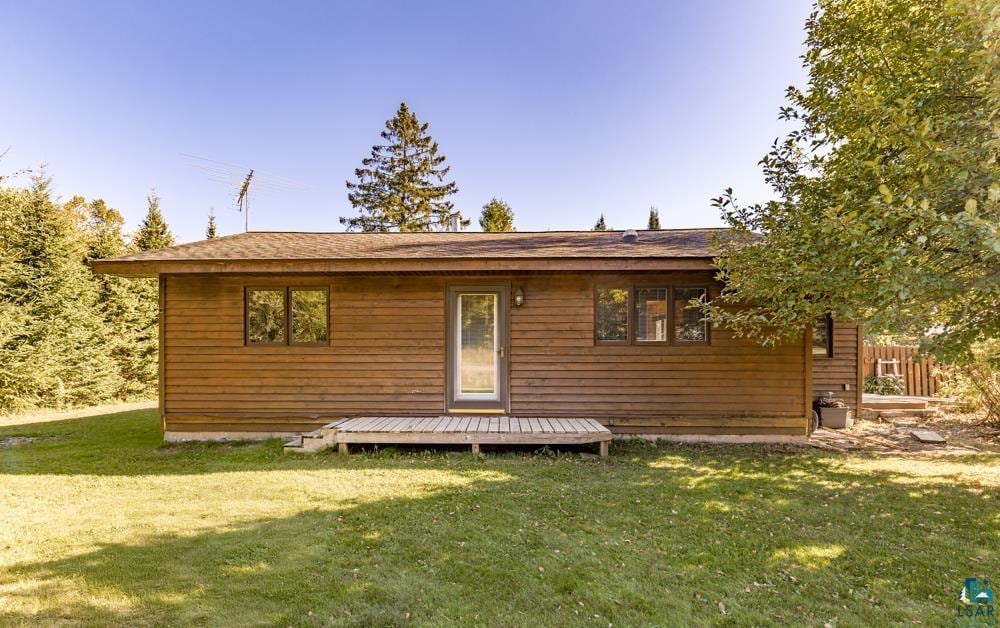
(662, 536)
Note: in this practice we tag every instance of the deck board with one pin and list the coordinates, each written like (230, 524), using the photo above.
(468, 430)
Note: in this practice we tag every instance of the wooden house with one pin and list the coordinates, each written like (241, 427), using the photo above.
(273, 333)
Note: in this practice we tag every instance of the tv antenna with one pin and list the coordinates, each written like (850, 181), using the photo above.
(16, 173)
(243, 200)
(240, 179)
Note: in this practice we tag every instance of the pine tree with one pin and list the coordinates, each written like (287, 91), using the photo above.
(55, 349)
(497, 216)
(600, 225)
(210, 229)
(401, 186)
(153, 233)
(654, 219)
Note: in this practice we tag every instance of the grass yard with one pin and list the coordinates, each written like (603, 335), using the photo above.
(100, 524)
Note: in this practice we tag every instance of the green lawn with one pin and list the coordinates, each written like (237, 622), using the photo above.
(100, 524)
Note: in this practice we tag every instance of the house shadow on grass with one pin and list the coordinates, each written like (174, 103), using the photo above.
(663, 536)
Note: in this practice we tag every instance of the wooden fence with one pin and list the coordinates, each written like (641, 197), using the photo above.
(917, 372)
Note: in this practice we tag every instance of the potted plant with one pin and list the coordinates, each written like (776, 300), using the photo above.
(833, 412)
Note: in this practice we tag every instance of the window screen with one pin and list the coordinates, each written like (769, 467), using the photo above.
(651, 314)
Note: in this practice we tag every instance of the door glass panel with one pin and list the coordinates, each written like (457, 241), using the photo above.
(477, 352)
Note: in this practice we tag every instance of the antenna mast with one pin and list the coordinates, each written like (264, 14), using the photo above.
(243, 200)
(239, 179)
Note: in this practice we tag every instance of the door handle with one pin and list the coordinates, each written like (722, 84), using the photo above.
(500, 351)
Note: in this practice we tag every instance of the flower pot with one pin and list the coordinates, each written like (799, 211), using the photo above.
(836, 418)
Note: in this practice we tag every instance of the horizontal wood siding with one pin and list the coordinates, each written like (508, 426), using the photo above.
(832, 374)
(731, 386)
(387, 357)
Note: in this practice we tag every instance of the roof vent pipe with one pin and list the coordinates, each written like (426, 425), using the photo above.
(630, 236)
(454, 222)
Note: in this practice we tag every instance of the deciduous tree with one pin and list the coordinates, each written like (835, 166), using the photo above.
(888, 188)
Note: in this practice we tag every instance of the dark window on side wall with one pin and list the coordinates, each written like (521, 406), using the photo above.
(822, 342)
(611, 314)
(265, 317)
(689, 325)
(282, 316)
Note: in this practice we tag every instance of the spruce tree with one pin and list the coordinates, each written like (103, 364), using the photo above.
(497, 216)
(55, 350)
(402, 186)
(124, 304)
(210, 229)
(654, 219)
(600, 225)
(153, 233)
(19, 382)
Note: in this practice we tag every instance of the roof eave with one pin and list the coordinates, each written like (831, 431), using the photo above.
(154, 268)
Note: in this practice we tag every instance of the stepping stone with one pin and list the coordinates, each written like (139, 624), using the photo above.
(928, 436)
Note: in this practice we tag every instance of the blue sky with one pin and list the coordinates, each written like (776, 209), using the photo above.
(564, 109)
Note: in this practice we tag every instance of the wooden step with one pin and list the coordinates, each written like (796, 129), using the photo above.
(902, 404)
(310, 442)
(895, 415)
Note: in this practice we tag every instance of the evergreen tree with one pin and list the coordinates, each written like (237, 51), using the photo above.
(497, 216)
(402, 186)
(124, 304)
(210, 229)
(600, 225)
(54, 347)
(654, 219)
(153, 233)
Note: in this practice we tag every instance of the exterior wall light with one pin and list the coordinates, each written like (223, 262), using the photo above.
(518, 297)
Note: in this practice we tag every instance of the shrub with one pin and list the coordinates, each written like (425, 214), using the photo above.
(976, 386)
(884, 385)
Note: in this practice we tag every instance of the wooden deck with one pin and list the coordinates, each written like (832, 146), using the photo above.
(461, 430)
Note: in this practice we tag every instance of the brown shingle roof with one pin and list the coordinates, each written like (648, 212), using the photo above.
(223, 254)
(283, 245)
